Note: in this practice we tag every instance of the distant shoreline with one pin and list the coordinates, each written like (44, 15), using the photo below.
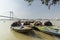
(30, 19)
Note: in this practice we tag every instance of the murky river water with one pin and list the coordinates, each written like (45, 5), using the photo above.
(7, 34)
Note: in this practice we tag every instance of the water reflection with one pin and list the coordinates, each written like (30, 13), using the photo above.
(30, 35)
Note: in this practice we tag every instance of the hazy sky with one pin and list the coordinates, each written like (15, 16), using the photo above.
(21, 9)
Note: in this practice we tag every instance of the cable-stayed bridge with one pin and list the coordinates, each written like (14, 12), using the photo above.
(8, 18)
(11, 17)
(14, 18)
(3, 17)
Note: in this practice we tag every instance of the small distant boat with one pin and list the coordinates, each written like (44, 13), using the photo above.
(21, 29)
(50, 31)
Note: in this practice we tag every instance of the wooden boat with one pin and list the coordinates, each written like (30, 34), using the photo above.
(21, 29)
(49, 30)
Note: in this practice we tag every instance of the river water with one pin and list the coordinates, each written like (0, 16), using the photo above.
(7, 34)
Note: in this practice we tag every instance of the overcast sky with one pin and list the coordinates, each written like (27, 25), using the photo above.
(21, 9)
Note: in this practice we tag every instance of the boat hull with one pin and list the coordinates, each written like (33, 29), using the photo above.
(23, 30)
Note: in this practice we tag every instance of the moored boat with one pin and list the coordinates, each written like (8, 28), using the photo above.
(50, 30)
